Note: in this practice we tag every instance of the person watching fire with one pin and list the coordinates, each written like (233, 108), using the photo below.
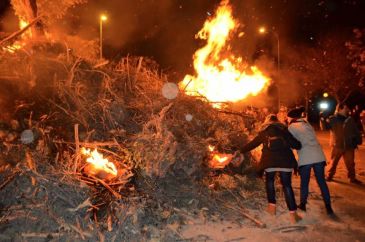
(276, 157)
(310, 156)
(345, 138)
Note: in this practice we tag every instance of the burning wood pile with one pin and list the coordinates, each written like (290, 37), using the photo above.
(89, 147)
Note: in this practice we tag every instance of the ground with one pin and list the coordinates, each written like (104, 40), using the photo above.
(348, 204)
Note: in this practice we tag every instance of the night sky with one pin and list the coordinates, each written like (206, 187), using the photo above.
(165, 29)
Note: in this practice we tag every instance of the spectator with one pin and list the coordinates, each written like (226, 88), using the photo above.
(277, 156)
(345, 137)
(311, 156)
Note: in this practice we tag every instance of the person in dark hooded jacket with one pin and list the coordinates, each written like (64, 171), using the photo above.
(277, 156)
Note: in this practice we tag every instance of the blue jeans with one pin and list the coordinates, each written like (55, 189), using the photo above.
(285, 178)
(305, 173)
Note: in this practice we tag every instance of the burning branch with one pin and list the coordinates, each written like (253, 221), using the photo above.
(20, 32)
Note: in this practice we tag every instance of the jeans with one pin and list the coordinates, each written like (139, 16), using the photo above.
(285, 178)
(305, 172)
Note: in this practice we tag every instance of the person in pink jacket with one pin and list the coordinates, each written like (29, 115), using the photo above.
(310, 156)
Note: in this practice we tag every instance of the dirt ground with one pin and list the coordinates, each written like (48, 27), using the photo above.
(348, 204)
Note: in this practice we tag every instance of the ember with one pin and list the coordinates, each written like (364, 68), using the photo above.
(98, 165)
(221, 78)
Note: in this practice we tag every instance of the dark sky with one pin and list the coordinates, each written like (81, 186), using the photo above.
(165, 29)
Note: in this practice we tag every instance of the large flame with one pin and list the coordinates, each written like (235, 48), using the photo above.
(221, 77)
(99, 162)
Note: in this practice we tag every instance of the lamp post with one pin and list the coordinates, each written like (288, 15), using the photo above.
(102, 19)
(262, 30)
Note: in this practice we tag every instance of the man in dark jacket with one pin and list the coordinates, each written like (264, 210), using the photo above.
(277, 156)
(345, 137)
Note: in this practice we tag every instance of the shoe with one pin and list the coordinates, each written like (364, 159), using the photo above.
(329, 178)
(355, 181)
(271, 209)
(294, 217)
(302, 206)
(329, 209)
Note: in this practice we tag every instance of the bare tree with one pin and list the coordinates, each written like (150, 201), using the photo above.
(324, 67)
(49, 10)
(356, 55)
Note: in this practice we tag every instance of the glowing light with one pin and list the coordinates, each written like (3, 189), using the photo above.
(325, 94)
(323, 105)
(262, 30)
(103, 17)
(220, 76)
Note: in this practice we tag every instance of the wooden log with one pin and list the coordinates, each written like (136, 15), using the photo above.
(246, 215)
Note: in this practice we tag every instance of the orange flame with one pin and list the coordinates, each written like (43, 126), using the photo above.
(221, 79)
(211, 148)
(99, 162)
(221, 158)
(218, 160)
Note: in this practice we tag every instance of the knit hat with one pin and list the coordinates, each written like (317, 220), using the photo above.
(296, 112)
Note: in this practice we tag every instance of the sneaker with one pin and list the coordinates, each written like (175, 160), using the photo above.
(294, 217)
(329, 209)
(271, 209)
(302, 206)
(355, 181)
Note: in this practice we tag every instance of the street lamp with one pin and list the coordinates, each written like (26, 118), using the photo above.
(263, 30)
(103, 18)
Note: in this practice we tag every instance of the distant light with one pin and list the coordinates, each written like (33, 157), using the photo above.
(103, 17)
(262, 30)
(209, 14)
(323, 105)
(325, 94)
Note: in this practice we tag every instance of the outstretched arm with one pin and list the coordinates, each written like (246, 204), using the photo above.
(258, 140)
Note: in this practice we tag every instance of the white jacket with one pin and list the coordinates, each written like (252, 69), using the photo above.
(311, 151)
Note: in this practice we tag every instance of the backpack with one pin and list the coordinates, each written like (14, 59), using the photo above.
(276, 142)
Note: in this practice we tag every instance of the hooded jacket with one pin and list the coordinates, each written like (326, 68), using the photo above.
(311, 151)
(283, 158)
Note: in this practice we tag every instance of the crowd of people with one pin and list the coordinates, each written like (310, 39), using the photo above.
(279, 139)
